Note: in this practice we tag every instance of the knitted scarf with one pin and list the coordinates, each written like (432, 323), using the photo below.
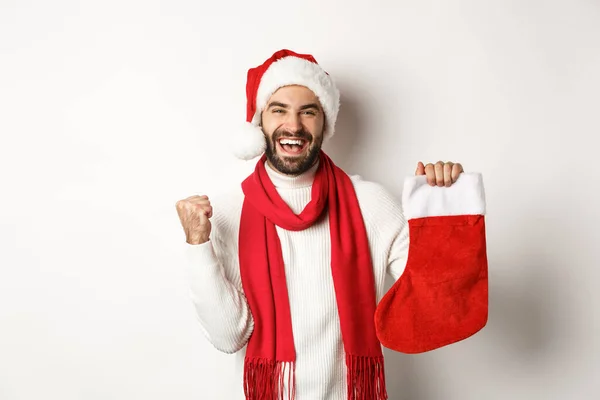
(270, 358)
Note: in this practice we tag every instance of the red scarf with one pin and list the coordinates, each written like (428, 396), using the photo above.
(270, 350)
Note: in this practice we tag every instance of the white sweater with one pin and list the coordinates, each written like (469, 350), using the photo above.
(223, 312)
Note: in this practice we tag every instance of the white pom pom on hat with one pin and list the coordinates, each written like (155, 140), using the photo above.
(249, 142)
(284, 68)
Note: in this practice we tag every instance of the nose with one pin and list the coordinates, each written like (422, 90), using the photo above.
(293, 123)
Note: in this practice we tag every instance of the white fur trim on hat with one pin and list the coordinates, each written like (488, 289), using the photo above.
(249, 142)
(298, 71)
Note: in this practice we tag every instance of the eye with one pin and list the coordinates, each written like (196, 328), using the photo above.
(308, 112)
(278, 111)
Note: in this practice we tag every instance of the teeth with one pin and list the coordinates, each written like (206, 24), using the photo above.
(291, 141)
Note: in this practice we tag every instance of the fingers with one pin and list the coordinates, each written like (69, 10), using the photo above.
(420, 169)
(204, 209)
(430, 174)
(448, 174)
(202, 205)
(196, 199)
(195, 213)
(195, 204)
(440, 173)
(457, 169)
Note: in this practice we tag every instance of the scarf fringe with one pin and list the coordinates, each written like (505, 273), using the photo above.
(366, 378)
(267, 379)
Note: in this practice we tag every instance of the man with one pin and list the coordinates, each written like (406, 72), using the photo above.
(292, 264)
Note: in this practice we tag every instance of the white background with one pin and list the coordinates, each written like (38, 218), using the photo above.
(111, 111)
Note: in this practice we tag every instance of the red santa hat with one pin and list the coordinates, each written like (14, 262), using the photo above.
(284, 68)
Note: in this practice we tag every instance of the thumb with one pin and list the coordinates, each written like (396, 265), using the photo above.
(204, 218)
(204, 213)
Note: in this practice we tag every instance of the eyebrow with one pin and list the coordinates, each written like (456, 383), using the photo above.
(283, 105)
(312, 105)
(278, 104)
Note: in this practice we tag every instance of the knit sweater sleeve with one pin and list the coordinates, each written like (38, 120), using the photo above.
(216, 292)
(386, 224)
(398, 254)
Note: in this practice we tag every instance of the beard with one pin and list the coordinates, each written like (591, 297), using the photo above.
(291, 165)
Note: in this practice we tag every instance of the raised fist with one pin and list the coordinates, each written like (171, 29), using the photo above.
(195, 213)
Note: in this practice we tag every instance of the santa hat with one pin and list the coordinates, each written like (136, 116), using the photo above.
(284, 68)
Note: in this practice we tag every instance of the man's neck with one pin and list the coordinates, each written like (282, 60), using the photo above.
(284, 181)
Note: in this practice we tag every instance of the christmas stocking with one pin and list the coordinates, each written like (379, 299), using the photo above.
(442, 295)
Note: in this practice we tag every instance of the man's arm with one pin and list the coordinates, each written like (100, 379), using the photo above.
(221, 307)
(398, 254)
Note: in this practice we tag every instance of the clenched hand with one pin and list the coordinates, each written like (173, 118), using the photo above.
(195, 213)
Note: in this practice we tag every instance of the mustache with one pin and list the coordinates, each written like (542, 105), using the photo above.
(301, 134)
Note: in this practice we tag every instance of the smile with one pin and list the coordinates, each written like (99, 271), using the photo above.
(292, 147)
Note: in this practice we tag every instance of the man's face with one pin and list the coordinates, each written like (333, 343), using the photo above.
(293, 122)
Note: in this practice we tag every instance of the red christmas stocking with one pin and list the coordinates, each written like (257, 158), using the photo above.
(442, 295)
